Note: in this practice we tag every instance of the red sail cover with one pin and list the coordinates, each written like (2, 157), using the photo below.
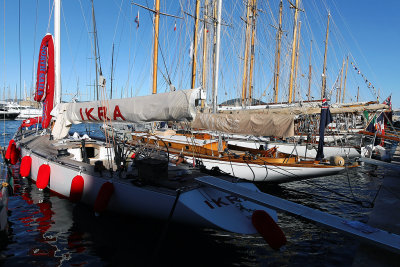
(45, 78)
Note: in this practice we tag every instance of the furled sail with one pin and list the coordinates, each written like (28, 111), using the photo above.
(172, 106)
(258, 124)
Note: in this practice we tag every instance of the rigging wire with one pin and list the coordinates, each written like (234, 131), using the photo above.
(19, 47)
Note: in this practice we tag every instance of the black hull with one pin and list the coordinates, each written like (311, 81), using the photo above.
(9, 116)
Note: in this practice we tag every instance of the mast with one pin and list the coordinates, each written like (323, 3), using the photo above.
(253, 33)
(196, 27)
(95, 51)
(297, 62)
(204, 76)
(247, 34)
(296, 14)
(339, 91)
(216, 67)
(155, 51)
(324, 69)
(309, 75)
(278, 54)
(358, 92)
(57, 61)
(345, 78)
(112, 71)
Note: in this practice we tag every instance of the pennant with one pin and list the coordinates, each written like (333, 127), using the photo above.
(175, 26)
(388, 102)
(325, 119)
(137, 20)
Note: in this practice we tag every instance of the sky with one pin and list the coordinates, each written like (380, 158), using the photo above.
(366, 31)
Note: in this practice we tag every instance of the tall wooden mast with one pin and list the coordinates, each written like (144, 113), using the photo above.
(278, 54)
(296, 14)
(339, 90)
(216, 57)
(246, 49)
(309, 74)
(358, 92)
(196, 27)
(324, 68)
(297, 62)
(204, 76)
(345, 78)
(155, 50)
(253, 33)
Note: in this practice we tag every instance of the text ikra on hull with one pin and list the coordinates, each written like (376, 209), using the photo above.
(101, 114)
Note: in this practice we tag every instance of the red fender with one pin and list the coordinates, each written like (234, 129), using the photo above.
(8, 151)
(14, 154)
(103, 197)
(268, 229)
(25, 168)
(76, 192)
(43, 176)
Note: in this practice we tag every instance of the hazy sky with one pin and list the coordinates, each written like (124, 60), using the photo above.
(367, 31)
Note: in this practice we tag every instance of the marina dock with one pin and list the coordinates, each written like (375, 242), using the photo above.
(386, 216)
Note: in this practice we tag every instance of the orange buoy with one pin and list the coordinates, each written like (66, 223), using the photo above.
(43, 176)
(103, 197)
(268, 229)
(14, 154)
(8, 151)
(25, 168)
(76, 191)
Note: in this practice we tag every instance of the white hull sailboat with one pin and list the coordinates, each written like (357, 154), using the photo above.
(197, 205)
(100, 175)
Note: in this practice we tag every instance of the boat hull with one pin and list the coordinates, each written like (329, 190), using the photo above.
(200, 206)
(278, 173)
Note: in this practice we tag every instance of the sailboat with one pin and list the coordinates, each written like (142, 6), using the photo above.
(134, 180)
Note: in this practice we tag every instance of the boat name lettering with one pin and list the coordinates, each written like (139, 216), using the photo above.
(101, 114)
(219, 203)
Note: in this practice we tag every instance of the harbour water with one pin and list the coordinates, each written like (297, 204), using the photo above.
(48, 230)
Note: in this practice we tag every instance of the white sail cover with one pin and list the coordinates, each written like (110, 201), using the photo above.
(172, 106)
(259, 124)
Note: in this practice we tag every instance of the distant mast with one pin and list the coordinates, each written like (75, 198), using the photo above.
(250, 31)
(296, 14)
(57, 61)
(253, 33)
(309, 74)
(217, 45)
(246, 50)
(155, 50)
(297, 61)
(204, 76)
(323, 93)
(278, 54)
(345, 78)
(196, 27)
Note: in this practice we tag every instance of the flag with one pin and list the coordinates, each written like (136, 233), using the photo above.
(325, 119)
(175, 26)
(137, 20)
(388, 102)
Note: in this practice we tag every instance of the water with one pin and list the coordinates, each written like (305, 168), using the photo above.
(46, 230)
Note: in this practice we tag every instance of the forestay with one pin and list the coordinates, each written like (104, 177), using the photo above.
(172, 106)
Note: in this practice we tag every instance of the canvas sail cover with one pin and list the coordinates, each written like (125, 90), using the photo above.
(172, 106)
(260, 124)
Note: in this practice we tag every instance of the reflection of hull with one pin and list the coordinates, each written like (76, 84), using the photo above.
(8, 115)
(197, 205)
